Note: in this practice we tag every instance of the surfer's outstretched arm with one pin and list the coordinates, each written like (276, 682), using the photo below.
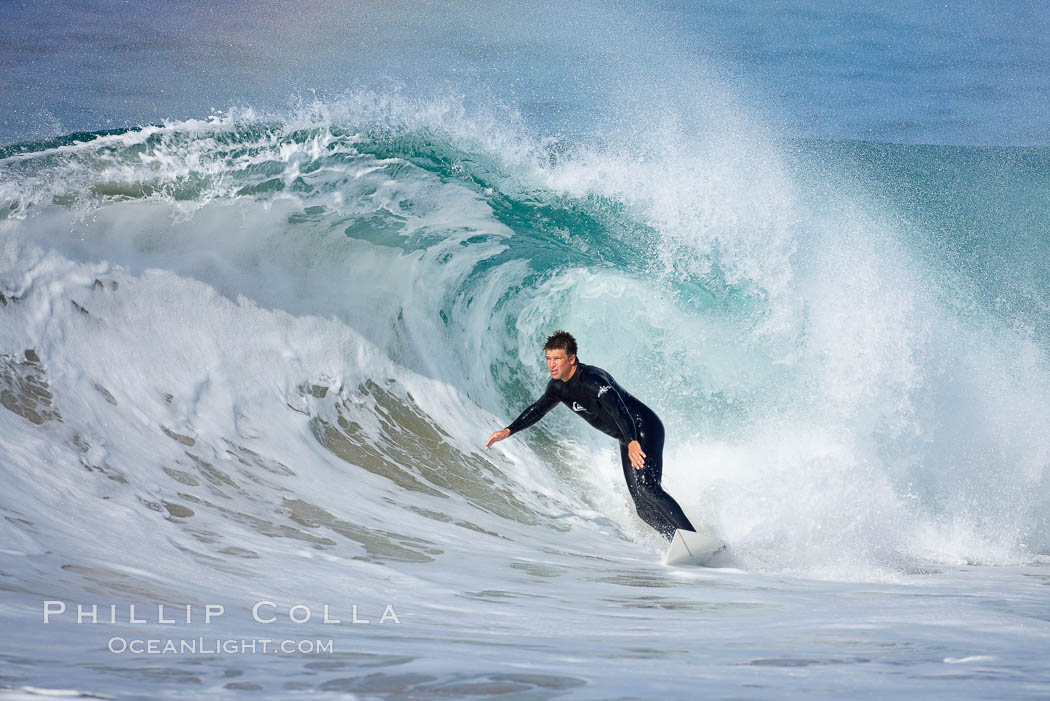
(536, 411)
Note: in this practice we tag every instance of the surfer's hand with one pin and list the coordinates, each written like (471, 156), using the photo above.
(634, 452)
(497, 436)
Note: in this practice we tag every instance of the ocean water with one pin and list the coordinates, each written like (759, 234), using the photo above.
(270, 277)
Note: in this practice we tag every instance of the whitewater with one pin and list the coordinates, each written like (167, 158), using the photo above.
(250, 356)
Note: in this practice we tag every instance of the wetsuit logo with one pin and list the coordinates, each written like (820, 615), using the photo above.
(576, 406)
(603, 390)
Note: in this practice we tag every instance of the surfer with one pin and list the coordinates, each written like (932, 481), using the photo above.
(593, 394)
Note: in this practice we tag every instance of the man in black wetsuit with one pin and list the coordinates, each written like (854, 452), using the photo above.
(594, 395)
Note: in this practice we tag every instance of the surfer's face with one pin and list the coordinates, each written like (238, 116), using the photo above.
(560, 364)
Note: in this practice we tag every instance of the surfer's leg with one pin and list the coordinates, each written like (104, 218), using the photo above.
(661, 511)
(647, 510)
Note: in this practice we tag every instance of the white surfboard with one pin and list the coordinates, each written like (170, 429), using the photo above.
(692, 548)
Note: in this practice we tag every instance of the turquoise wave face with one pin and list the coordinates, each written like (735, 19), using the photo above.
(859, 327)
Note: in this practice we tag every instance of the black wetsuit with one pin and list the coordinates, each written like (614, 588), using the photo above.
(602, 403)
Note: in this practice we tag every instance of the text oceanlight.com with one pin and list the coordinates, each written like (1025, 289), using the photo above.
(215, 646)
